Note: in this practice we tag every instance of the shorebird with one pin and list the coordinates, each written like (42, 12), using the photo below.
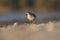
(30, 16)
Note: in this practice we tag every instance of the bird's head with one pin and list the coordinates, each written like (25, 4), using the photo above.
(27, 13)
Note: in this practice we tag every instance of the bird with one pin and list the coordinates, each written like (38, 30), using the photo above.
(30, 16)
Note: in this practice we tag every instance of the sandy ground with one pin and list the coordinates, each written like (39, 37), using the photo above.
(43, 31)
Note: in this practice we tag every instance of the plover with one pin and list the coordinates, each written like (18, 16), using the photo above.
(30, 16)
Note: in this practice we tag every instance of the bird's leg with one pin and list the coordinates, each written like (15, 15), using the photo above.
(30, 22)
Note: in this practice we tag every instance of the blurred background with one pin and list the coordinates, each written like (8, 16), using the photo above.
(46, 26)
(14, 10)
(40, 5)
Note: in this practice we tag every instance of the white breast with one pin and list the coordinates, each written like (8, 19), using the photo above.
(30, 17)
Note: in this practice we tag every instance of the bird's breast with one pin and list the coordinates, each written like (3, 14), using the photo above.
(30, 17)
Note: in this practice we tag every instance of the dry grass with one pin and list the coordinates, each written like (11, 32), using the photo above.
(43, 31)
